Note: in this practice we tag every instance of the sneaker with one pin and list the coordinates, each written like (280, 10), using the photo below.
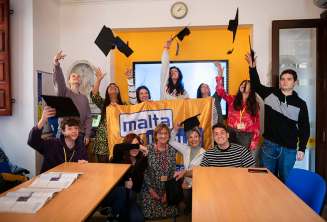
(187, 210)
(105, 211)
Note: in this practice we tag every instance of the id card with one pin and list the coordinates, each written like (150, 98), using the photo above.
(240, 126)
(163, 178)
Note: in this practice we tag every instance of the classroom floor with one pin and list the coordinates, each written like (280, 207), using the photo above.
(97, 217)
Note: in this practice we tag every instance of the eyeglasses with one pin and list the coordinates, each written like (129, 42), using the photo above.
(163, 134)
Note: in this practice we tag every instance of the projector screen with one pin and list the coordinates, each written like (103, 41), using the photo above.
(194, 73)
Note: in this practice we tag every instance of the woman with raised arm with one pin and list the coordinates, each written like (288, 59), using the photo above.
(142, 93)
(129, 152)
(192, 156)
(112, 98)
(80, 100)
(243, 113)
(162, 164)
(171, 85)
(204, 92)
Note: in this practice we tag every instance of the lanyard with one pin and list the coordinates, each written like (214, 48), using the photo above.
(194, 157)
(164, 165)
(241, 114)
(65, 155)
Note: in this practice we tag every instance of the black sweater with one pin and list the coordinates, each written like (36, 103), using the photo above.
(286, 117)
(136, 171)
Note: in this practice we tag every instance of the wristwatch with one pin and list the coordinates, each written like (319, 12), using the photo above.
(189, 186)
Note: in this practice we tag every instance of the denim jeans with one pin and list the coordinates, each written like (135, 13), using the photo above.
(272, 153)
(117, 201)
(80, 138)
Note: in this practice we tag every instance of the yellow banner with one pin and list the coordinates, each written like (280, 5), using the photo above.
(142, 119)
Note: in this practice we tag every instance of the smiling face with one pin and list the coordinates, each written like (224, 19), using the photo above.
(194, 139)
(287, 82)
(205, 89)
(70, 132)
(113, 89)
(163, 136)
(134, 152)
(245, 87)
(220, 136)
(174, 74)
(75, 78)
(144, 95)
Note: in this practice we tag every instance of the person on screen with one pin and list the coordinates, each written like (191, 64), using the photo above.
(171, 85)
(224, 154)
(112, 98)
(80, 100)
(243, 112)
(192, 156)
(162, 164)
(142, 93)
(286, 119)
(204, 92)
(129, 152)
(56, 151)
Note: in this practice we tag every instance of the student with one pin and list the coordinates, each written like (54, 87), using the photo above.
(56, 151)
(142, 93)
(162, 164)
(129, 152)
(192, 156)
(112, 98)
(204, 92)
(225, 154)
(243, 113)
(80, 100)
(286, 122)
(171, 86)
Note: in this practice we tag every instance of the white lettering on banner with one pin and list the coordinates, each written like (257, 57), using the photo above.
(141, 122)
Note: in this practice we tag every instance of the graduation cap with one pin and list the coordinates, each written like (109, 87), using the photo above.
(233, 28)
(174, 192)
(107, 41)
(181, 36)
(252, 52)
(191, 122)
(64, 106)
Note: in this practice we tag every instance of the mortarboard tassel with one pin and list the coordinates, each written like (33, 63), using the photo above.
(230, 51)
(177, 50)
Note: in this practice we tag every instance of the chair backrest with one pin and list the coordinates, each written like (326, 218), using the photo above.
(4, 167)
(308, 186)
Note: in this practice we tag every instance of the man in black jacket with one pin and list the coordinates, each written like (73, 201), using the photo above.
(286, 122)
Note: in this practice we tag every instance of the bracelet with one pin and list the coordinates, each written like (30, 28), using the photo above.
(166, 47)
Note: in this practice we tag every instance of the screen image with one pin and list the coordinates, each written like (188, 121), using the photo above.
(194, 73)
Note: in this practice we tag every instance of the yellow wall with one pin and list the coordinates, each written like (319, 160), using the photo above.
(204, 44)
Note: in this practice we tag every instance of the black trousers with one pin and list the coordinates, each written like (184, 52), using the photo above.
(240, 138)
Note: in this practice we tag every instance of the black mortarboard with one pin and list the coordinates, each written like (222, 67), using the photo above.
(123, 47)
(174, 192)
(105, 40)
(182, 34)
(191, 122)
(64, 106)
(252, 52)
(233, 28)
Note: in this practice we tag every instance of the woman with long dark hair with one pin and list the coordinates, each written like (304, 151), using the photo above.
(142, 93)
(129, 152)
(243, 113)
(204, 92)
(171, 86)
(112, 98)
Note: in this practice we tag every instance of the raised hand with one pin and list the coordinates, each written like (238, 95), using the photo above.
(168, 42)
(248, 58)
(128, 73)
(47, 112)
(220, 70)
(58, 57)
(178, 126)
(99, 74)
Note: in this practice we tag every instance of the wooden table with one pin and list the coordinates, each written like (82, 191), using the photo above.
(78, 201)
(233, 194)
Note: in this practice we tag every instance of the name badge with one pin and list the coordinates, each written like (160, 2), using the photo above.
(240, 126)
(163, 178)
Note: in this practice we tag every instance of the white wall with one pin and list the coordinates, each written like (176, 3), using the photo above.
(34, 36)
